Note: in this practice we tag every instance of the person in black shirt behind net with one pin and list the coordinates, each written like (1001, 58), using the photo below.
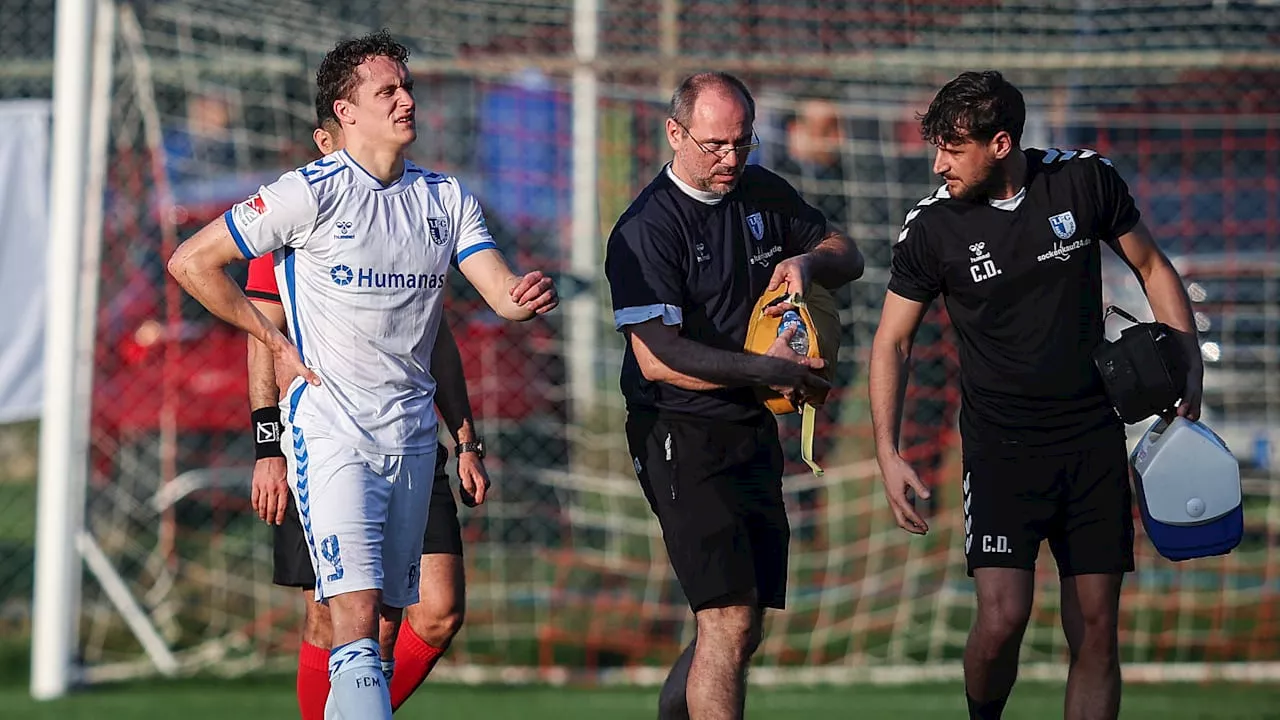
(1012, 243)
(686, 263)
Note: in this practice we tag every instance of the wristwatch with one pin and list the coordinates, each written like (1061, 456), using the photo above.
(475, 446)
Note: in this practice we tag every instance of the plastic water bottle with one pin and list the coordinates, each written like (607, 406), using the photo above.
(800, 341)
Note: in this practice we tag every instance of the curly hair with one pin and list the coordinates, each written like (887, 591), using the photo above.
(337, 78)
(976, 105)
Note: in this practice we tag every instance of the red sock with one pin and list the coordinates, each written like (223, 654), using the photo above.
(313, 681)
(414, 660)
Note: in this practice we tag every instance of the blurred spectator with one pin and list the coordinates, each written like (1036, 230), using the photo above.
(813, 161)
(814, 164)
(203, 145)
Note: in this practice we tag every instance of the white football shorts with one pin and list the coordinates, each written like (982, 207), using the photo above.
(363, 515)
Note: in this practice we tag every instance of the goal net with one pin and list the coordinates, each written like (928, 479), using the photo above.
(566, 571)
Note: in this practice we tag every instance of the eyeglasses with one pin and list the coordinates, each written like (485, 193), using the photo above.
(720, 151)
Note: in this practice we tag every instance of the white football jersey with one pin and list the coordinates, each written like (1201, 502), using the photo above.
(361, 270)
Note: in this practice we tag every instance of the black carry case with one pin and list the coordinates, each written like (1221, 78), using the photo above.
(1144, 370)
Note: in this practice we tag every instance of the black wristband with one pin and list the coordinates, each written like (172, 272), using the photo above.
(266, 433)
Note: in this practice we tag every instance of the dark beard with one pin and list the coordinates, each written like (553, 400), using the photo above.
(981, 193)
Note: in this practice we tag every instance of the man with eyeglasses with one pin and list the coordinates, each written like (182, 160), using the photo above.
(686, 264)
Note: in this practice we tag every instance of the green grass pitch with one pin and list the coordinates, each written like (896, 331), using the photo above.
(272, 697)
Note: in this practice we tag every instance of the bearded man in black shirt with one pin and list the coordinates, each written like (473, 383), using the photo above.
(1012, 244)
(686, 264)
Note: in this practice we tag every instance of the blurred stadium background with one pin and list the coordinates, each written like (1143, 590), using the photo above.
(551, 111)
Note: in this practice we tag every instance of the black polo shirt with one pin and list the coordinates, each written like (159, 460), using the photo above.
(1021, 279)
(701, 264)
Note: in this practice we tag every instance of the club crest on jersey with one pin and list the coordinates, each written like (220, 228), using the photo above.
(756, 224)
(438, 228)
(1064, 225)
(248, 212)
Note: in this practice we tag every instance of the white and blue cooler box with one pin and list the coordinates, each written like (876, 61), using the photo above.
(1188, 490)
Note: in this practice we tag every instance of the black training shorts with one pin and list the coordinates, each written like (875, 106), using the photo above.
(1079, 501)
(716, 488)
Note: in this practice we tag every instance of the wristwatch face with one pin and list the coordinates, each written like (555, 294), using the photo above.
(475, 446)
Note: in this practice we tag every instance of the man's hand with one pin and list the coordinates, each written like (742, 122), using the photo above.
(536, 292)
(288, 365)
(802, 384)
(473, 479)
(270, 490)
(1189, 408)
(794, 273)
(1193, 392)
(897, 477)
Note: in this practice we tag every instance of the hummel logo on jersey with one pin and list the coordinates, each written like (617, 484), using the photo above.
(981, 266)
(342, 230)
(700, 253)
(438, 227)
(1064, 225)
(756, 224)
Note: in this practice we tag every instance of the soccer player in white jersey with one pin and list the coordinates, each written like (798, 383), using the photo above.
(364, 240)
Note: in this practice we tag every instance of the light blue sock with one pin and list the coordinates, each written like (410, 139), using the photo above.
(357, 686)
(388, 669)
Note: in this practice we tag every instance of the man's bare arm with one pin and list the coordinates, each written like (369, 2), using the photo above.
(455, 407)
(836, 260)
(488, 272)
(269, 492)
(664, 356)
(887, 371)
(199, 266)
(1168, 298)
(887, 384)
(452, 399)
(1170, 305)
(262, 379)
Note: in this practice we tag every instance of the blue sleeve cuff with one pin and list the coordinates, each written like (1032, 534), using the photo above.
(235, 235)
(464, 254)
(670, 314)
